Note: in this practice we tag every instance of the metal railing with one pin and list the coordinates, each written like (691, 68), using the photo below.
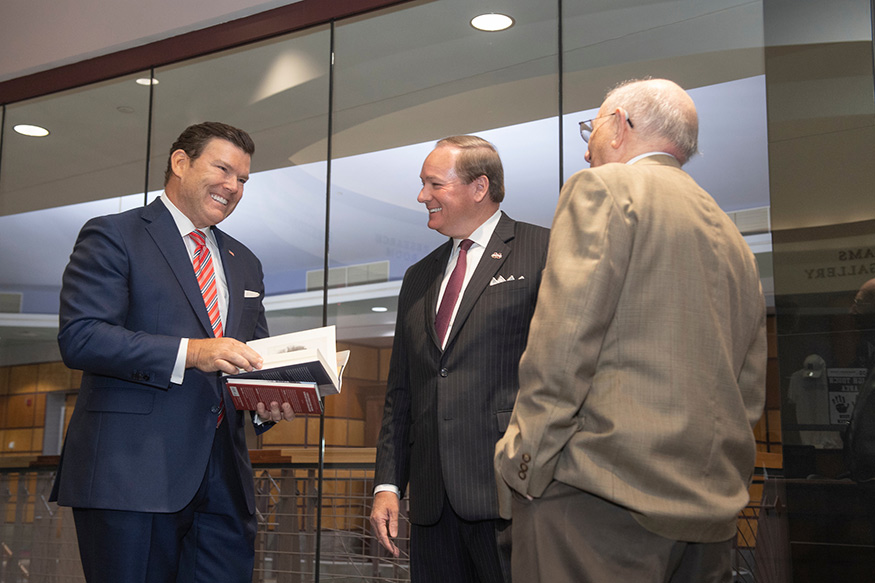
(294, 543)
(38, 539)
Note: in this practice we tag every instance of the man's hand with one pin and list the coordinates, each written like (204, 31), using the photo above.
(224, 354)
(384, 520)
(276, 413)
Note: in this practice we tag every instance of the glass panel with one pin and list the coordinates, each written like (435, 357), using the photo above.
(95, 148)
(91, 163)
(278, 92)
(819, 70)
(404, 79)
(713, 49)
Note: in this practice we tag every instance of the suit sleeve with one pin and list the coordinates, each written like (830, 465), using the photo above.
(393, 448)
(590, 245)
(93, 310)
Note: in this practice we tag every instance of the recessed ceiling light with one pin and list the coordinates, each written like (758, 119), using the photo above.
(492, 22)
(31, 130)
(147, 81)
(379, 309)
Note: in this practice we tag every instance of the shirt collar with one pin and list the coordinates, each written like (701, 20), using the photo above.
(183, 223)
(483, 233)
(647, 154)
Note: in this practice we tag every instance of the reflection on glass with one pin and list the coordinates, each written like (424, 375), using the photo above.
(95, 148)
(92, 157)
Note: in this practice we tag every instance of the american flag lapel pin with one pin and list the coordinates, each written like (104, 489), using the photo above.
(496, 255)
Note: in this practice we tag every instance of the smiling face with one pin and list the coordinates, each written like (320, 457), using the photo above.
(454, 208)
(208, 188)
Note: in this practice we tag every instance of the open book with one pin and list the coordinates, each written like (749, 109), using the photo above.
(299, 368)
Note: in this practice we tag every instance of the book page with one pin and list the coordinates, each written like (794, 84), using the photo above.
(282, 348)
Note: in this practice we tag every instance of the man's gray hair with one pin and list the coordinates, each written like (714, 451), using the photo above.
(659, 110)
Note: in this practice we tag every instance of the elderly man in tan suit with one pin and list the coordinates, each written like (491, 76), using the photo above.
(630, 449)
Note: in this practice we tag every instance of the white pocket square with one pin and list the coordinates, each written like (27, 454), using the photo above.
(250, 294)
(501, 279)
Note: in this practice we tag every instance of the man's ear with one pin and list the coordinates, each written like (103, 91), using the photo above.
(620, 128)
(481, 184)
(179, 161)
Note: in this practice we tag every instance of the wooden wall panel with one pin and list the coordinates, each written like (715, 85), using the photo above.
(20, 411)
(364, 362)
(54, 376)
(23, 379)
(336, 432)
(17, 441)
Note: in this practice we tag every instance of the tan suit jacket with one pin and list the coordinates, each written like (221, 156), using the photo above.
(644, 371)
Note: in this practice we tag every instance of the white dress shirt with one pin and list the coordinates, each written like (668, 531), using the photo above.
(480, 237)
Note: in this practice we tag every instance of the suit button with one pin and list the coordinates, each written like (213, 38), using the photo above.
(527, 458)
(215, 409)
(524, 467)
(522, 475)
(444, 373)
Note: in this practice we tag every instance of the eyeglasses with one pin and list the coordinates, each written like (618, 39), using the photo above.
(586, 126)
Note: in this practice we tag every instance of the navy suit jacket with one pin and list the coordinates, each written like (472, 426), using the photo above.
(136, 441)
(445, 409)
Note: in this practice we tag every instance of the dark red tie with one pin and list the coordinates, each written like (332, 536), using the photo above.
(206, 279)
(451, 293)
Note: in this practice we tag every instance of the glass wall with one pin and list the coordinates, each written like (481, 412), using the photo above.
(383, 132)
(344, 114)
(90, 164)
(821, 111)
(402, 78)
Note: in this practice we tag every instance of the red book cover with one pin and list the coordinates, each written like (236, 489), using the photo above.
(247, 393)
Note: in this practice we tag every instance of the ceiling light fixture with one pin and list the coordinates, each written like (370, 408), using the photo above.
(379, 309)
(147, 81)
(492, 22)
(31, 130)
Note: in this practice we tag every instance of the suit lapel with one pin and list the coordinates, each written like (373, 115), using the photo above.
(436, 273)
(233, 279)
(162, 229)
(494, 256)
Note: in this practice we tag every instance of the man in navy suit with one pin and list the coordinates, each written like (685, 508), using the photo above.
(155, 463)
(450, 394)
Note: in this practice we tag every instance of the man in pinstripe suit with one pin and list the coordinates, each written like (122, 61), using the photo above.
(450, 396)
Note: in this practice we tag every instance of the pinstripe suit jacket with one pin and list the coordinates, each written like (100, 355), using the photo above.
(446, 409)
(645, 369)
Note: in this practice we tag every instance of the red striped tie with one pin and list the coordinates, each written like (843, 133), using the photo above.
(206, 279)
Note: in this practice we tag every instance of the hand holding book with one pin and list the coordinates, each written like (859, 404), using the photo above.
(299, 368)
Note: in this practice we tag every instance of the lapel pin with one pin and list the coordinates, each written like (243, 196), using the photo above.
(496, 255)
(232, 253)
